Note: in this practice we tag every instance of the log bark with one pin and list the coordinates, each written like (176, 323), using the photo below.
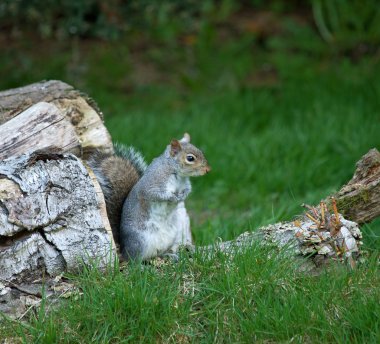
(52, 212)
(68, 107)
(359, 199)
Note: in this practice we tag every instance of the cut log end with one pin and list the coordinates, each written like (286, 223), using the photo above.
(51, 218)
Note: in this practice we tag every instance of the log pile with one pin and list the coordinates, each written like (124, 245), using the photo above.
(52, 212)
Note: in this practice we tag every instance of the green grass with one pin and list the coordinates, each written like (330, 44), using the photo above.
(254, 297)
(272, 146)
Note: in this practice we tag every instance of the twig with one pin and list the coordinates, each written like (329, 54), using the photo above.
(323, 220)
(337, 225)
(312, 218)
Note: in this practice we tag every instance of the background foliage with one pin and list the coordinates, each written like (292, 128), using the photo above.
(345, 23)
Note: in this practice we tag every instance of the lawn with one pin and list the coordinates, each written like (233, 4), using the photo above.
(279, 128)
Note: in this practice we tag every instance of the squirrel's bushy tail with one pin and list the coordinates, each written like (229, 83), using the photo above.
(117, 174)
(131, 154)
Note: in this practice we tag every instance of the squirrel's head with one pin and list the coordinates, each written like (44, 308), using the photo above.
(191, 160)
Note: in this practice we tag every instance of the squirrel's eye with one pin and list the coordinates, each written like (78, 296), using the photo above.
(190, 157)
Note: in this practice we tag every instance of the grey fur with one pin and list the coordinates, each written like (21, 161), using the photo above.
(154, 220)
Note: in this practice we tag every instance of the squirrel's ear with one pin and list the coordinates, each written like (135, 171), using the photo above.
(185, 138)
(175, 147)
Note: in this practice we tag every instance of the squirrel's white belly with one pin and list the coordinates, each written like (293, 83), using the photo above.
(165, 227)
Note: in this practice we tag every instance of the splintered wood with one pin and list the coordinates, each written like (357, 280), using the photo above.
(42, 126)
(328, 234)
(317, 236)
(50, 113)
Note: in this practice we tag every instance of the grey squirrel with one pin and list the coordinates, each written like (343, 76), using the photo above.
(145, 205)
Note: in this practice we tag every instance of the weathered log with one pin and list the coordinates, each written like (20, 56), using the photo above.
(50, 217)
(77, 108)
(322, 235)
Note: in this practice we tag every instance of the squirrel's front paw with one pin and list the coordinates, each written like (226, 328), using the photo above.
(189, 248)
(183, 194)
(172, 256)
(174, 198)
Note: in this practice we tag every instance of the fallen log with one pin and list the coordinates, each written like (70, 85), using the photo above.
(322, 234)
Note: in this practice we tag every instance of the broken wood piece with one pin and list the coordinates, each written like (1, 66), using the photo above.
(79, 110)
(42, 126)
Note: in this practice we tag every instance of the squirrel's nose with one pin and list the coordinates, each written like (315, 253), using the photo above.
(208, 169)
